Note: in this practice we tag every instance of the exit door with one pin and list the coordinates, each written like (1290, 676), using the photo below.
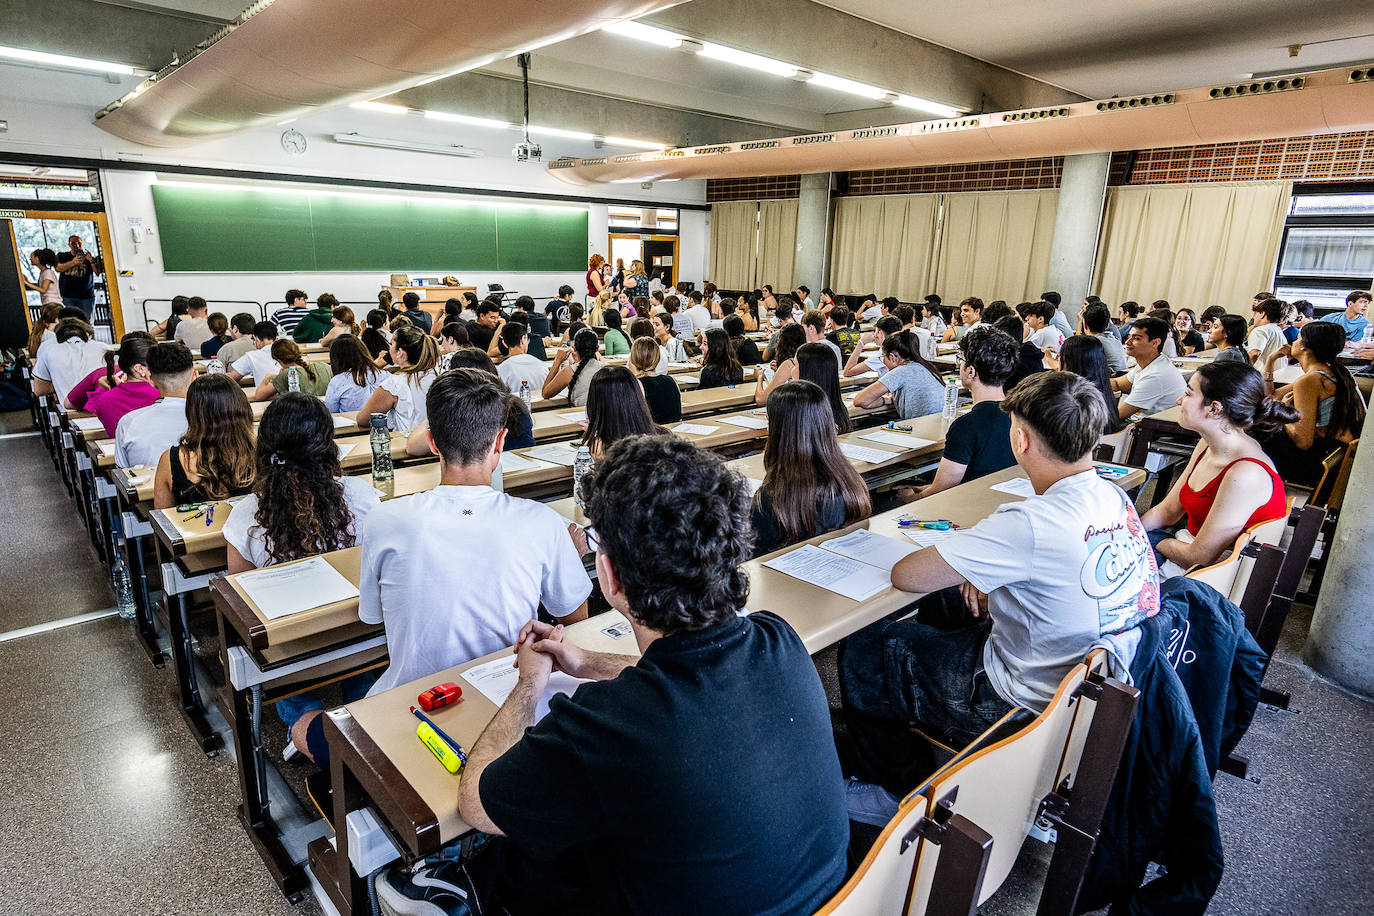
(24, 232)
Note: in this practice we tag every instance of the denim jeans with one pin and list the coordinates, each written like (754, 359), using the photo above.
(925, 672)
(289, 709)
(86, 305)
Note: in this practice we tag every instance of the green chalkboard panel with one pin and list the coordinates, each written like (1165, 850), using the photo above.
(357, 233)
(205, 229)
(541, 238)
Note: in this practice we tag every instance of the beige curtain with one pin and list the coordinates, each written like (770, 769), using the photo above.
(734, 241)
(885, 244)
(1194, 245)
(995, 245)
(777, 243)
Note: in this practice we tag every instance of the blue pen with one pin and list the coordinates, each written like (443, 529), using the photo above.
(210, 515)
(457, 748)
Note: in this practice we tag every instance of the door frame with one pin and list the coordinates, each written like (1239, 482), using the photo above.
(649, 237)
(102, 229)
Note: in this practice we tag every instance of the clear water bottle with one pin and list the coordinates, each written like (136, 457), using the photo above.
(380, 439)
(293, 380)
(123, 589)
(951, 409)
(215, 366)
(581, 465)
(526, 394)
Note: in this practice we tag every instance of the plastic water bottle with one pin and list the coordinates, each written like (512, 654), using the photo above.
(581, 465)
(293, 381)
(215, 366)
(123, 589)
(526, 394)
(951, 399)
(380, 439)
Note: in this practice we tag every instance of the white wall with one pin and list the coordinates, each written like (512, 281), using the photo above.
(38, 124)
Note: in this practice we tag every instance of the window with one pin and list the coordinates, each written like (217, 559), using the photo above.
(1328, 244)
(658, 220)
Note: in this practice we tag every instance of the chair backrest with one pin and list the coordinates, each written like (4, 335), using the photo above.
(882, 883)
(1114, 446)
(1337, 496)
(1269, 533)
(1221, 575)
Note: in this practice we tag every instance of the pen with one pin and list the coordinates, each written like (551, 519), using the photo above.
(194, 515)
(938, 524)
(210, 515)
(457, 748)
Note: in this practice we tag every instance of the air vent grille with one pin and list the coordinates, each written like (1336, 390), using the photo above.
(710, 150)
(759, 144)
(1140, 101)
(1361, 75)
(955, 124)
(1258, 87)
(1038, 114)
(813, 138)
(868, 133)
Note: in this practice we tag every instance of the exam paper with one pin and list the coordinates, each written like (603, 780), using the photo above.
(87, 424)
(926, 537)
(496, 679)
(832, 572)
(748, 422)
(279, 591)
(107, 448)
(868, 547)
(563, 453)
(346, 448)
(1017, 486)
(696, 429)
(901, 440)
(513, 462)
(689, 378)
(865, 454)
(579, 416)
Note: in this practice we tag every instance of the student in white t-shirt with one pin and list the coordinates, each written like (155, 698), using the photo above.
(401, 395)
(519, 366)
(1267, 335)
(301, 506)
(422, 589)
(1043, 335)
(1155, 383)
(144, 434)
(257, 364)
(1054, 575)
(73, 355)
(697, 312)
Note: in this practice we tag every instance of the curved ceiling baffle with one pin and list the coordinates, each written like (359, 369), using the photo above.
(1316, 103)
(285, 58)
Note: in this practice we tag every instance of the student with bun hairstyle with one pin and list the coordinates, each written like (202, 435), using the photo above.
(218, 323)
(1229, 483)
(401, 395)
(214, 459)
(375, 336)
(809, 487)
(313, 377)
(344, 323)
(913, 385)
(110, 397)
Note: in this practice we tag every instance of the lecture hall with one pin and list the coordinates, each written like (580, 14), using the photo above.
(886, 459)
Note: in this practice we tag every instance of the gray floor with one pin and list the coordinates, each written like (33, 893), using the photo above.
(109, 807)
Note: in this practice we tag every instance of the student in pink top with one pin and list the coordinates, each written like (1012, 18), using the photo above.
(110, 398)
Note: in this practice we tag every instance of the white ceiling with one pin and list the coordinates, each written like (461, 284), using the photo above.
(1123, 47)
(210, 9)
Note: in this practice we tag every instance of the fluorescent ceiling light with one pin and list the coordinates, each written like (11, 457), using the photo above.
(926, 105)
(840, 84)
(380, 107)
(745, 59)
(467, 119)
(559, 132)
(384, 143)
(640, 32)
(637, 144)
(71, 63)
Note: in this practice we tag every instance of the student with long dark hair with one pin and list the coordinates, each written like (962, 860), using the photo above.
(783, 367)
(615, 342)
(215, 458)
(809, 487)
(1085, 355)
(311, 377)
(110, 397)
(401, 395)
(914, 385)
(1227, 335)
(573, 368)
(355, 375)
(812, 366)
(616, 409)
(719, 365)
(375, 336)
(746, 351)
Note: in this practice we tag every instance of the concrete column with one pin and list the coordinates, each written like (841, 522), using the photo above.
(813, 233)
(1077, 219)
(1340, 643)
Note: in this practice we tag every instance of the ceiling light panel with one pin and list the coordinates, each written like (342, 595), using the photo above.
(840, 84)
(745, 59)
(646, 33)
(43, 58)
(468, 119)
(380, 107)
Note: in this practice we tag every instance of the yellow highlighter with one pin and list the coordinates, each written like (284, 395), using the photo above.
(438, 747)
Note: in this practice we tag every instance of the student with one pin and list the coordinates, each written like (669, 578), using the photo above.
(719, 365)
(520, 549)
(1301, 315)
(1031, 570)
(1030, 359)
(166, 328)
(1353, 320)
(194, 329)
(869, 309)
(49, 284)
(575, 324)
(931, 318)
(616, 409)
(401, 394)
(240, 339)
(317, 322)
(615, 343)
(978, 442)
(353, 376)
(214, 458)
(697, 313)
(452, 338)
(114, 398)
(746, 351)
(813, 367)
(257, 365)
(219, 335)
(483, 331)
(1155, 384)
(1189, 339)
(1228, 336)
(970, 315)
(709, 678)
(813, 325)
(1229, 483)
(858, 364)
(1057, 317)
(418, 316)
(573, 368)
(1206, 323)
(1265, 336)
(375, 336)
(385, 302)
(677, 319)
(287, 317)
(311, 377)
(557, 309)
(1097, 321)
(1129, 312)
(782, 317)
(844, 332)
(143, 435)
(519, 366)
(1086, 356)
(602, 304)
(673, 350)
(468, 311)
(1330, 409)
(537, 322)
(912, 385)
(1041, 332)
(72, 356)
(43, 328)
(803, 296)
(784, 366)
(749, 311)
(519, 422)
(660, 391)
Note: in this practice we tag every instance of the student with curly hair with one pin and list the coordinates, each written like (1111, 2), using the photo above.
(215, 458)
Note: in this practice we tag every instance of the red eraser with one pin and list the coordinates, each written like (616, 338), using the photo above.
(440, 696)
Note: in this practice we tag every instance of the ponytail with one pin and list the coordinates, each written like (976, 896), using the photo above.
(1325, 340)
(1270, 414)
(421, 350)
(1239, 389)
(908, 346)
(584, 344)
(133, 351)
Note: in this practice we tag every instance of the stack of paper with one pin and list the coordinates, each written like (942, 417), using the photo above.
(282, 590)
(496, 679)
(867, 547)
(831, 571)
(512, 462)
(87, 424)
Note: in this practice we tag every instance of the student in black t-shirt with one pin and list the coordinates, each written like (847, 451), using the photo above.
(746, 351)
(418, 316)
(979, 442)
(809, 486)
(483, 331)
(660, 391)
(557, 310)
(1030, 359)
(699, 777)
(719, 365)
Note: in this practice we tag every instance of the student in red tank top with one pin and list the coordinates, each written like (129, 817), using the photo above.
(1229, 484)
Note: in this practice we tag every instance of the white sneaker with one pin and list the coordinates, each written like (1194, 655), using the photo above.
(869, 803)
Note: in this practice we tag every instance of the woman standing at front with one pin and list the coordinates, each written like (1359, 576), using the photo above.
(595, 281)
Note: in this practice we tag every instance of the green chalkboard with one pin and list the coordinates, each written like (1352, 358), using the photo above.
(213, 230)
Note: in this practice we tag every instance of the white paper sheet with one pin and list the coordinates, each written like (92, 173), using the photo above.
(682, 365)
(280, 591)
(901, 440)
(865, 454)
(832, 572)
(87, 424)
(513, 462)
(579, 416)
(748, 422)
(558, 452)
(684, 377)
(867, 547)
(346, 448)
(1017, 486)
(343, 422)
(107, 448)
(925, 537)
(496, 679)
(695, 429)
